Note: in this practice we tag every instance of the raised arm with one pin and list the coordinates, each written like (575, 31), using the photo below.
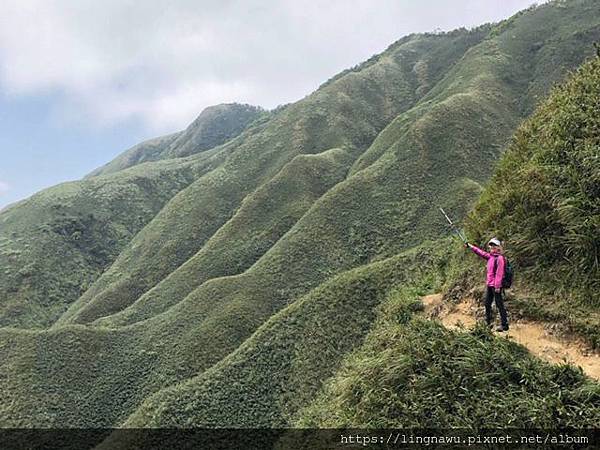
(479, 252)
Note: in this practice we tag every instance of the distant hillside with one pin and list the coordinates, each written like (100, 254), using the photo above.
(214, 126)
(225, 287)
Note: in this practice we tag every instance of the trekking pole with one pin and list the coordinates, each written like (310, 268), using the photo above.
(460, 235)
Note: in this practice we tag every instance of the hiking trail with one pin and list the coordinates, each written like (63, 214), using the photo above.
(537, 337)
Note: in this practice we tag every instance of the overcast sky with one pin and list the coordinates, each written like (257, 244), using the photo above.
(82, 80)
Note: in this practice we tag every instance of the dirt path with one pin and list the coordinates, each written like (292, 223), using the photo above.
(532, 335)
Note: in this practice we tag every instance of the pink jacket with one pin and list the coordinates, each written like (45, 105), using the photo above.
(492, 279)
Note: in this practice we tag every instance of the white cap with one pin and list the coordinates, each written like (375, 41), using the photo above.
(495, 241)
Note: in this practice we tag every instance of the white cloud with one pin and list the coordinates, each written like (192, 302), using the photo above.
(163, 61)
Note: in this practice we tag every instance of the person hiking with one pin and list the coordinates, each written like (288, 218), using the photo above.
(496, 263)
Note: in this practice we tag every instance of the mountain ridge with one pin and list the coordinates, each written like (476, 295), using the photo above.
(347, 182)
(214, 126)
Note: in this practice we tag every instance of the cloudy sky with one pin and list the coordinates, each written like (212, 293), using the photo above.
(82, 80)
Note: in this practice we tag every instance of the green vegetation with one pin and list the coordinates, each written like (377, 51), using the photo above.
(249, 234)
(339, 232)
(226, 287)
(150, 150)
(213, 127)
(413, 372)
(545, 200)
(55, 244)
(283, 365)
(545, 194)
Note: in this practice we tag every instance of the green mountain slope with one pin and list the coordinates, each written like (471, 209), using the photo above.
(262, 220)
(417, 374)
(410, 372)
(134, 371)
(545, 194)
(282, 366)
(346, 113)
(55, 244)
(214, 126)
(544, 199)
(305, 216)
(150, 150)
(484, 102)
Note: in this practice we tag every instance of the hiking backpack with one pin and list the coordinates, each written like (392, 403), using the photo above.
(507, 279)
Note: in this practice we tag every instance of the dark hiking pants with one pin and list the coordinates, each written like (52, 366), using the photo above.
(491, 296)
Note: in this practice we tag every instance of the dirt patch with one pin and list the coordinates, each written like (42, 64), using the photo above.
(537, 337)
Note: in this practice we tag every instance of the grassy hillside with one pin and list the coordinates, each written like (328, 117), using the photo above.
(263, 218)
(545, 195)
(306, 216)
(544, 200)
(94, 376)
(213, 127)
(55, 244)
(344, 114)
(150, 150)
(283, 365)
(137, 361)
(414, 373)
(477, 103)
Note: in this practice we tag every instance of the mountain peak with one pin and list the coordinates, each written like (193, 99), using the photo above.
(214, 126)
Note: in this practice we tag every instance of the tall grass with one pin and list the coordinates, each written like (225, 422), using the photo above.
(544, 198)
(412, 372)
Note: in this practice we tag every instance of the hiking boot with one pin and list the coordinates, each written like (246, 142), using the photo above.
(501, 329)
